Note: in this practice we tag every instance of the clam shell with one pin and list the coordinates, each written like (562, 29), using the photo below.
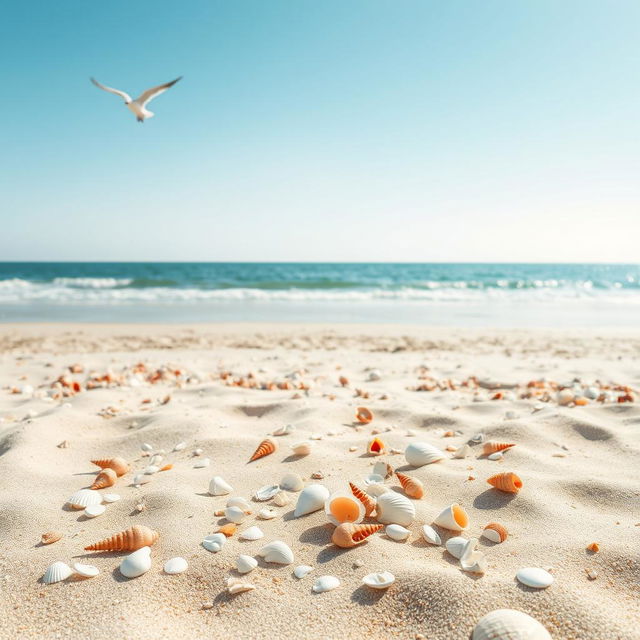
(430, 535)
(325, 583)
(383, 469)
(382, 580)
(397, 532)
(151, 469)
(267, 514)
(277, 552)
(534, 577)
(495, 532)
(245, 564)
(509, 624)
(83, 498)
(267, 492)
(453, 517)
(239, 502)
(86, 570)
(344, 507)
(214, 542)
(146, 447)
(50, 537)
(394, 508)
(110, 497)
(291, 482)
(462, 451)
(219, 487)
(284, 431)
(175, 565)
(236, 585)
(235, 514)
(252, 533)
(302, 448)
(456, 546)
(57, 572)
(136, 563)
(302, 570)
(94, 510)
(281, 499)
(420, 453)
(180, 446)
(498, 455)
(312, 498)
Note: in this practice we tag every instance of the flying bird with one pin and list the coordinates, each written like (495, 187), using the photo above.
(139, 106)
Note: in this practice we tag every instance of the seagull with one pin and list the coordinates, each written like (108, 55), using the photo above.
(139, 106)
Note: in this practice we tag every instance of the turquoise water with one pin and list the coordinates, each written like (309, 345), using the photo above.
(457, 294)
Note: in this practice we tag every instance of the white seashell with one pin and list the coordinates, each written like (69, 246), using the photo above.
(140, 478)
(291, 482)
(316, 436)
(180, 446)
(456, 546)
(394, 508)
(267, 492)
(509, 624)
(94, 510)
(214, 542)
(27, 390)
(478, 438)
(57, 572)
(246, 564)
(156, 459)
(235, 514)
(564, 397)
(238, 502)
(382, 580)
(281, 499)
(382, 469)
(202, 464)
(325, 583)
(86, 570)
(453, 518)
(376, 489)
(235, 585)
(277, 552)
(420, 453)
(110, 497)
(175, 565)
(252, 533)
(83, 498)
(534, 577)
(472, 560)
(198, 452)
(396, 532)
(151, 469)
(284, 431)
(462, 452)
(496, 455)
(302, 448)
(374, 375)
(312, 498)
(302, 570)
(136, 563)
(374, 478)
(267, 514)
(592, 393)
(430, 535)
(344, 507)
(218, 487)
(146, 447)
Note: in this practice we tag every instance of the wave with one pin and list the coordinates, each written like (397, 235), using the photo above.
(92, 283)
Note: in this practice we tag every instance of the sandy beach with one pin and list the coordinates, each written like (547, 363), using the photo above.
(73, 393)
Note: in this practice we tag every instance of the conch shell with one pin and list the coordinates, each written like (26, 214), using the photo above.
(363, 415)
(507, 481)
(412, 486)
(119, 465)
(492, 446)
(349, 535)
(368, 502)
(106, 478)
(130, 539)
(265, 448)
(376, 447)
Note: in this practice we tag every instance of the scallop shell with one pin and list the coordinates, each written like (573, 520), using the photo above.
(456, 546)
(277, 552)
(119, 465)
(376, 447)
(219, 487)
(86, 570)
(344, 507)
(214, 542)
(252, 533)
(50, 537)
(363, 415)
(495, 532)
(106, 478)
(302, 570)
(430, 535)
(454, 518)
(267, 514)
(235, 514)
(349, 535)
(325, 583)
(412, 486)
(462, 451)
(57, 572)
(94, 510)
(235, 585)
(267, 492)
(245, 564)
(382, 580)
(507, 481)
(420, 453)
(311, 498)
(135, 537)
(265, 448)
(291, 482)
(175, 565)
(239, 502)
(383, 469)
(83, 498)
(394, 508)
(492, 446)
(509, 624)
(368, 502)
(396, 532)
(534, 577)
(136, 563)
(302, 448)
(284, 431)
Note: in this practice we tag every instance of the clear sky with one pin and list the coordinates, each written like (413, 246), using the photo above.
(415, 130)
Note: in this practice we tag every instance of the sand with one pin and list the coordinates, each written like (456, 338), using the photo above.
(579, 465)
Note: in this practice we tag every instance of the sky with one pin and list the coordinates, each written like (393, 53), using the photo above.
(359, 130)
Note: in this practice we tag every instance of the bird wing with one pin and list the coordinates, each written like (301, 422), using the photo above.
(122, 94)
(150, 94)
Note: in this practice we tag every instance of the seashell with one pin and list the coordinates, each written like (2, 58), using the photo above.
(374, 375)
(139, 479)
(509, 624)
(478, 438)
(239, 502)
(281, 499)
(495, 532)
(412, 486)
(594, 547)
(344, 507)
(507, 481)
(363, 415)
(462, 452)
(245, 564)
(202, 464)
(394, 508)
(291, 482)
(420, 453)
(219, 487)
(235, 585)
(302, 448)
(110, 497)
(214, 542)
(267, 514)
(156, 459)
(50, 537)
(383, 469)
(302, 570)
(498, 455)
(265, 448)
(252, 533)
(83, 498)
(228, 529)
(198, 452)
(325, 583)
(284, 431)
(472, 560)
(396, 532)
(374, 478)
(376, 447)
(175, 565)
(376, 489)
(312, 498)
(106, 478)
(454, 518)
(564, 397)
(349, 535)
(430, 535)
(119, 465)
(235, 514)
(368, 502)
(456, 546)
(146, 447)
(277, 552)
(130, 539)
(94, 510)
(180, 446)
(57, 572)
(534, 577)
(493, 445)
(86, 570)
(150, 470)
(382, 580)
(136, 563)
(267, 492)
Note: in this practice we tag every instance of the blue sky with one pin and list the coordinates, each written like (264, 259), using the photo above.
(334, 130)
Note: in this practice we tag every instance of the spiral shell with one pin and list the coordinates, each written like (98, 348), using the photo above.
(368, 502)
(265, 448)
(412, 486)
(106, 478)
(492, 446)
(130, 539)
(495, 532)
(363, 415)
(119, 465)
(349, 535)
(507, 481)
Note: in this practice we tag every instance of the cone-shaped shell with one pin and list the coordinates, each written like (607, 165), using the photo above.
(507, 481)
(119, 465)
(420, 453)
(376, 447)
(509, 623)
(394, 508)
(311, 498)
(412, 486)
(454, 518)
(349, 535)
(130, 539)
(368, 502)
(492, 446)
(265, 448)
(495, 532)
(363, 415)
(106, 478)
(344, 507)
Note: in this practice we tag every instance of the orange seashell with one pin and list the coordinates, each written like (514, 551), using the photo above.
(412, 486)
(349, 535)
(580, 401)
(368, 502)
(363, 415)
(130, 539)
(50, 537)
(376, 447)
(507, 481)
(493, 445)
(500, 532)
(344, 381)
(265, 448)
(166, 467)
(228, 529)
(119, 465)
(594, 547)
(106, 478)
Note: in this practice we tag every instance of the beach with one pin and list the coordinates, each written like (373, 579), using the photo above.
(72, 393)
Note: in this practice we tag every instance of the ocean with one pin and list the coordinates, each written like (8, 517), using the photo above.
(491, 295)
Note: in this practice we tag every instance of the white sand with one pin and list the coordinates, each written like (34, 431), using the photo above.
(591, 493)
